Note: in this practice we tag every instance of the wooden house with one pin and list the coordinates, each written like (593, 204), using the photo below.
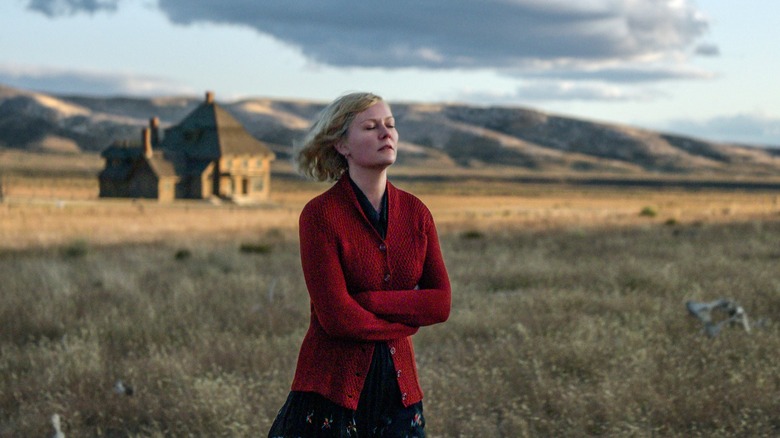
(208, 154)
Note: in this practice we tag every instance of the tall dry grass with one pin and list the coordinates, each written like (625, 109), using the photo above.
(567, 332)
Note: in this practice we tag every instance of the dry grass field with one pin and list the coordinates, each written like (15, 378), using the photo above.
(568, 312)
(40, 211)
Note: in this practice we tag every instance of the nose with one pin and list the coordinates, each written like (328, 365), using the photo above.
(384, 131)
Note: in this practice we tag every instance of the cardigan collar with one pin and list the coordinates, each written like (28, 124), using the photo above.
(393, 215)
(378, 218)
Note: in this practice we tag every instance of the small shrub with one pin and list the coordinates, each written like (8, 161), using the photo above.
(75, 249)
(182, 254)
(648, 212)
(472, 235)
(671, 222)
(255, 248)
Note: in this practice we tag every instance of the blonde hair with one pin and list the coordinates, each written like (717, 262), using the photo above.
(316, 156)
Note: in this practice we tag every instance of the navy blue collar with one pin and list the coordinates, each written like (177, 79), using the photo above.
(378, 219)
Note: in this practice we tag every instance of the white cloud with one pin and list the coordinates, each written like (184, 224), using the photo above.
(707, 50)
(747, 128)
(81, 82)
(54, 8)
(617, 73)
(552, 91)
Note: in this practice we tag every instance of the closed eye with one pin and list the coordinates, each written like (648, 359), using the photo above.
(388, 125)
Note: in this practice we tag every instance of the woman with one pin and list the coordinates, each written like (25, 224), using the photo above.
(375, 275)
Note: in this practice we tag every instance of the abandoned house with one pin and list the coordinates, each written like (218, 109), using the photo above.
(208, 154)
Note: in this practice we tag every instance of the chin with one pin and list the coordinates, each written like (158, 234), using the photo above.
(384, 164)
(387, 161)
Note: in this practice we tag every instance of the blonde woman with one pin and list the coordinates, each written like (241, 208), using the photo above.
(375, 275)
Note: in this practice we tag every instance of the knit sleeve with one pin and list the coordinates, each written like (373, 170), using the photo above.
(335, 309)
(427, 304)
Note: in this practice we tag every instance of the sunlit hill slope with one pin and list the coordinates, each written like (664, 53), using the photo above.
(434, 136)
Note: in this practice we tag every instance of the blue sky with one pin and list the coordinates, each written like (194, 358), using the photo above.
(705, 68)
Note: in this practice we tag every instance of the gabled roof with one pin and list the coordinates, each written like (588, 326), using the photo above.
(122, 150)
(116, 173)
(161, 166)
(210, 132)
(196, 168)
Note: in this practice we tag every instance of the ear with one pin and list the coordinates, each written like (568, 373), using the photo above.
(342, 148)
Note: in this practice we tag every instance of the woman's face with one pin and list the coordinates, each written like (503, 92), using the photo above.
(372, 139)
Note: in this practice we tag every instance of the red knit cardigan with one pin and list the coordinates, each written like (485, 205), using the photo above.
(365, 289)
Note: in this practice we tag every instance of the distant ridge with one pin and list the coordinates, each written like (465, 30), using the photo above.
(434, 136)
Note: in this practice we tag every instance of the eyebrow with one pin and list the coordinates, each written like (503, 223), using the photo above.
(377, 119)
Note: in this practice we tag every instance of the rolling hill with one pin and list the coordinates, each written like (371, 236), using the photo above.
(434, 136)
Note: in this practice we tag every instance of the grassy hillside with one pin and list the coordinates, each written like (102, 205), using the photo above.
(446, 137)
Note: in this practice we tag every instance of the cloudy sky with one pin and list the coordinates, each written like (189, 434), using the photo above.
(706, 68)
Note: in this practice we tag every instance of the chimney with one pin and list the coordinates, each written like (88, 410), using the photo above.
(209, 97)
(154, 125)
(146, 139)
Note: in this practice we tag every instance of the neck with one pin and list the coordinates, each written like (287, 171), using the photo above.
(371, 182)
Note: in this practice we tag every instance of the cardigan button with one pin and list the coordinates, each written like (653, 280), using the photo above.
(382, 247)
(403, 396)
(392, 350)
(387, 278)
(398, 373)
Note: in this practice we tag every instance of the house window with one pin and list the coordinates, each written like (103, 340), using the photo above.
(258, 184)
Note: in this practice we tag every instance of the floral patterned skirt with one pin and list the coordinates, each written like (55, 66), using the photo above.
(380, 412)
